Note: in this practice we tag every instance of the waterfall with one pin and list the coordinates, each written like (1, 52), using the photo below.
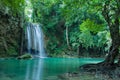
(35, 41)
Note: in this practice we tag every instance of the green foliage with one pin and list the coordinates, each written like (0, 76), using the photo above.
(12, 51)
(17, 6)
(28, 11)
(104, 40)
(86, 39)
(56, 15)
(11, 19)
(86, 25)
(47, 13)
(93, 35)
(74, 39)
(91, 26)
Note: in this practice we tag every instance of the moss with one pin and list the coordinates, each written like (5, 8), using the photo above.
(12, 51)
(25, 56)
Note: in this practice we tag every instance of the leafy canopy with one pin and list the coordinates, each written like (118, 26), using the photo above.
(91, 26)
(17, 6)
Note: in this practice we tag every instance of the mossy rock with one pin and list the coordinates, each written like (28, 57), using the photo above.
(25, 56)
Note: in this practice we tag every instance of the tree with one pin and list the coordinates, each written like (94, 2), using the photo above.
(73, 12)
(111, 14)
(109, 10)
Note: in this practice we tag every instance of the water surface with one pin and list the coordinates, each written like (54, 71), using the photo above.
(40, 69)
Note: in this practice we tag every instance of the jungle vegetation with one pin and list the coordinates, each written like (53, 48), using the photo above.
(71, 27)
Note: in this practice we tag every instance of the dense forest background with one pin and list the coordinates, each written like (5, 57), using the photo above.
(71, 27)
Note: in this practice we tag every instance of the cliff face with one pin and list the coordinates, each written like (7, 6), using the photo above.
(9, 32)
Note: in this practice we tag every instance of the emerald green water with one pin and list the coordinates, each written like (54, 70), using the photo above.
(40, 69)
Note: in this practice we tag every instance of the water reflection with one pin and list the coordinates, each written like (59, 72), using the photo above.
(34, 70)
(41, 68)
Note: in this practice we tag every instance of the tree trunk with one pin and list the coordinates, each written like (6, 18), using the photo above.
(67, 38)
(113, 52)
(21, 42)
(21, 22)
(113, 23)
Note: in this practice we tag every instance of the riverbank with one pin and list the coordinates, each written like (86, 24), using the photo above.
(93, 72)
(111, 73)
(86, 76)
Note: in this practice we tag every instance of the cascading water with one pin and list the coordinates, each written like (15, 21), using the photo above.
(35, 45)
(35, 41)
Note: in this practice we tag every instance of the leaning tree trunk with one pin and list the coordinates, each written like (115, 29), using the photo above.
(113, 52)
(114, 32)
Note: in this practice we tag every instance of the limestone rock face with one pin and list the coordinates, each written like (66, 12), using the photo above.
(9, 32)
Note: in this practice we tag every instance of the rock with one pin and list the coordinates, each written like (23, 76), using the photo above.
(25, 56)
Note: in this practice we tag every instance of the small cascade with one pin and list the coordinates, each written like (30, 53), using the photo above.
(35, 41)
